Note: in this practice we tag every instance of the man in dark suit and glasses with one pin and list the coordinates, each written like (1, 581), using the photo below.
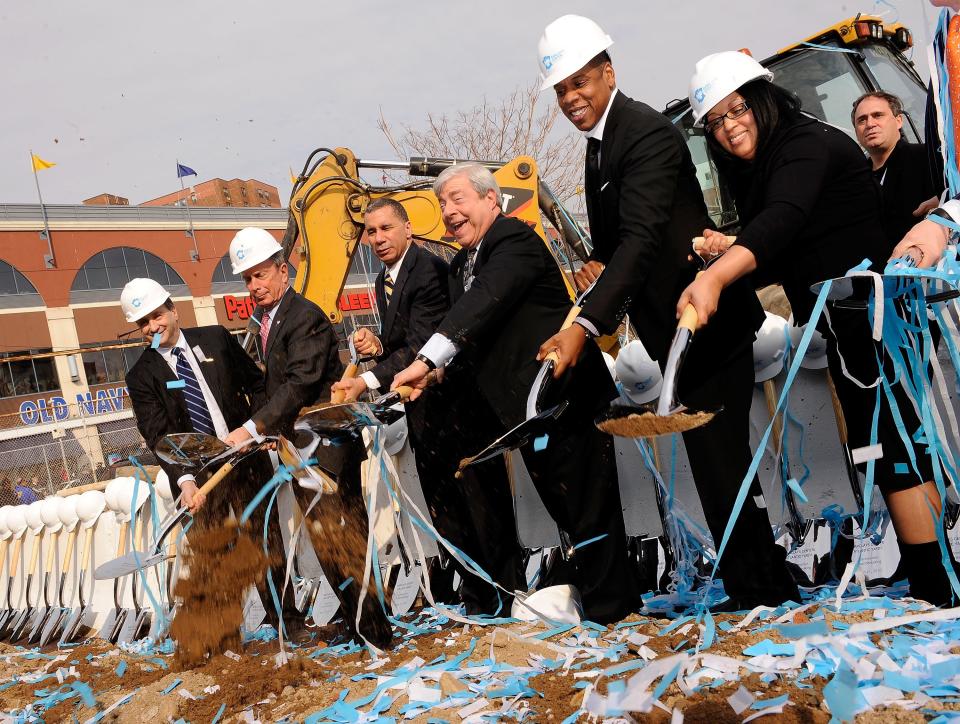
(196, 380)
(299, 349)
(508, 293)
(645, 206)
(475, 512)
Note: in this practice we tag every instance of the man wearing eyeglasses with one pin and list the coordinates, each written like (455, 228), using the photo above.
(645, 205)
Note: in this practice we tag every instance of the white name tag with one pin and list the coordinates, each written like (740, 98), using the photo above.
(866, 454)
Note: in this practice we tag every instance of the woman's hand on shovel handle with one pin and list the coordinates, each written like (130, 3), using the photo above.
(564, 348)
(704, 294)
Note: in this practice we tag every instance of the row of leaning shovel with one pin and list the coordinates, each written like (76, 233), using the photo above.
(37, 609)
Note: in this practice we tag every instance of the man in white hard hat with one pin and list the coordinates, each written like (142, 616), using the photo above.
(195, 380)
(645, 205)
(475, 511)
(298, 347)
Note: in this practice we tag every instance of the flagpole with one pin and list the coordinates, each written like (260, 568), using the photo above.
(48, 260)
(195, 254)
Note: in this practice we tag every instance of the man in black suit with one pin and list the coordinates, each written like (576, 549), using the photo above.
(508, 293)
(475, 512)
(901, 168)
(195, 380)
(645, 206)
(299, 349)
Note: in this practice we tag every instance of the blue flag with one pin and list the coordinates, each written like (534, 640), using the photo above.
(184, 171)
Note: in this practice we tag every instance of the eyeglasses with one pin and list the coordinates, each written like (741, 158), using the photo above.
(735, 112)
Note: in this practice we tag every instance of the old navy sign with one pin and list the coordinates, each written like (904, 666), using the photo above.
(55, 409)
(242, 307)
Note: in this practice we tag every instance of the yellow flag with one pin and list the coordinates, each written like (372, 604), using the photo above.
(39, 164)
(293, 178)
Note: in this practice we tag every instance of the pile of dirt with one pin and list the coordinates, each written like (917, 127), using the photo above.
(223, 562)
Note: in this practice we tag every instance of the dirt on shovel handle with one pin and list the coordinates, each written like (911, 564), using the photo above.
(650, 424)
(223, 562)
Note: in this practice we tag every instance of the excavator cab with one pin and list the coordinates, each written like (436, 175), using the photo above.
(828, 71)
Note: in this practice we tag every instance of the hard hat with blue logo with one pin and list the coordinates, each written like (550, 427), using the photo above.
(140, 297)
(568, 44)
(717, 76)
(250, 247)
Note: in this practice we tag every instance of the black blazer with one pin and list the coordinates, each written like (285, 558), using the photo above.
(301, 360)
(644, 211)
(420, 299)
(906, 183)
(517, 301)
(233, 378)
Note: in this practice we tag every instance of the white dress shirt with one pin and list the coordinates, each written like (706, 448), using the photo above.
(392, 271)
(219, 423)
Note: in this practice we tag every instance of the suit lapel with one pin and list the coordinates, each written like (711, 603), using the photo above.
(208, 367)
(159, 368)
(456, 275)
(609, 134)
(275, 325)
(409, 261)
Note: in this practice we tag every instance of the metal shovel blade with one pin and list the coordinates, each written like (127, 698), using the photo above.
(36, 626)
(858, 292)
(53, 625)
(19, 628)
(80, 620)
(191, 449)
(347, 417)
(534, 427)
(134, 623)
(129, 563)
(111, 624)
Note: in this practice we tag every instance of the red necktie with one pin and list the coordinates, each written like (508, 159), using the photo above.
(953, 70)
(264, 331)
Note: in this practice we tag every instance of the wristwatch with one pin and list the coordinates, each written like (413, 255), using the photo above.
(427, 361)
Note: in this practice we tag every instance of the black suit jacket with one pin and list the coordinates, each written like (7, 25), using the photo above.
(301, 361)
(420, 299)
(230, 373)
(644, 211)
(517, 301)
(906, 183)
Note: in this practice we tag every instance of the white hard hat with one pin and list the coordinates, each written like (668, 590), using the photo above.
(162, 485)
(48, 512)
(395, 434)
(555, 604)
(568, 44)
(67, 511)
(816, 356)
(251, 246)
(33, 516)
(769, 348)
(17, 519)
(611, 364)
(89, 506)
(719, 75)
(140, 297)
(639, 374)
(4, 528)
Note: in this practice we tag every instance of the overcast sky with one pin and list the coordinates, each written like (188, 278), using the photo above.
(115, 93)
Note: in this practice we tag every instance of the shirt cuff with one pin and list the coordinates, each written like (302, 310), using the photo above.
(371, 379)
(251, 427)
(439, 350)
(587, 325)
(185, 477)
(952, 207)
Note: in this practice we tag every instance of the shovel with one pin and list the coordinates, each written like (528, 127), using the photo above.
(181, 449)
(161, 624)
(138, 619)
(338, 419)
(796, 526)
(538, 423)
(19, 629)
(349, 373)
(79, 619)
(18, 526)
(668, 415)
(57, 615)
(41, 615)
(114, 620)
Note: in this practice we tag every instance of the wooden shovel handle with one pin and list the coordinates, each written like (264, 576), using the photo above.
(404, 391)
(4, 544)
(51, 549)
(15, 561)
(699, 241)
(122, 537)
(68, 553)
(689, 318)
(567, 323)
(215, 479)
(82, 489)
(340, 396)
(34, 554)
(85, 560)
(770, 393)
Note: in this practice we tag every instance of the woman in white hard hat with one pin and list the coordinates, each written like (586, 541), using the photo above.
(810, 211)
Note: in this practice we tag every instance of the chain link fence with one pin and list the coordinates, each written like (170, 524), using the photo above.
(33, 466)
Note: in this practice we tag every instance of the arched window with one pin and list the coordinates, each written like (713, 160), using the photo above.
(113, 268)
(15, 284)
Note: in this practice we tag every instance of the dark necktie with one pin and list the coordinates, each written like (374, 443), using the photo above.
(468, 269)
(592, 175)
(196, 405)
(387, 287)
